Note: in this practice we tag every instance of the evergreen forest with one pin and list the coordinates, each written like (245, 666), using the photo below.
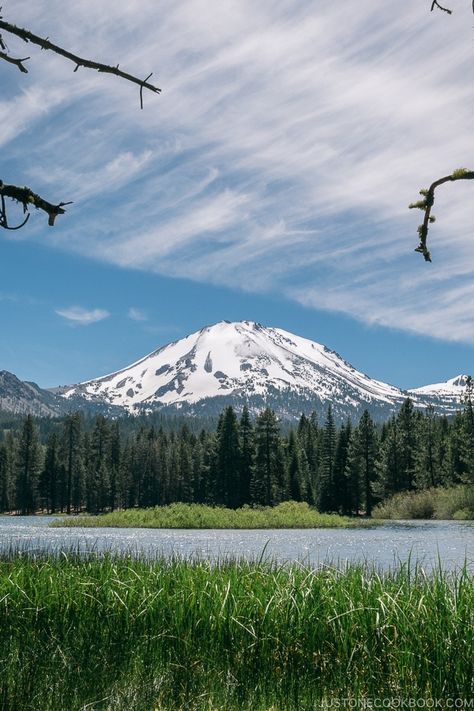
(75, 464)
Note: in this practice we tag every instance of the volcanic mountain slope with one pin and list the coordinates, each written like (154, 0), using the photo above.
(233, 363)
(444, 397)
(24, 398)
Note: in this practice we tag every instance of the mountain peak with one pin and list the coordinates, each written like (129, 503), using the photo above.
(454, 388)
(242, 361)
(234, 363)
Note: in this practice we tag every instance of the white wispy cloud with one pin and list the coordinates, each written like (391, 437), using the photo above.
(137, 314)
(80, 316)
(281, 156)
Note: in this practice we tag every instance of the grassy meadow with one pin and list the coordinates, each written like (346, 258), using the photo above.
(288, 514)
(118, 633)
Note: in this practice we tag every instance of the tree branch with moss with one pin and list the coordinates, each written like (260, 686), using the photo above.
(27, 198)
(426, 205)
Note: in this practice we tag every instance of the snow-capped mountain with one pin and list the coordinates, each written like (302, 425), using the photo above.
(446, 397)
(233, 363)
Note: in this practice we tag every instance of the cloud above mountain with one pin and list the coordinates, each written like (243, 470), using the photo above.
(79, 316)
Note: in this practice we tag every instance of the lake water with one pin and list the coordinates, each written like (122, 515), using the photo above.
(427, 542)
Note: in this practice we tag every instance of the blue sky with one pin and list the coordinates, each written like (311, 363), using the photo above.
(269, 182)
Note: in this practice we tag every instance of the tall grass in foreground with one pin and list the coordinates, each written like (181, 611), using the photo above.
(455, 502)
(289, 514)
(125, 634)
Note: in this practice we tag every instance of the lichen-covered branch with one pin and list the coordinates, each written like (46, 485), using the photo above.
(426, 204)
(44, 43)
(27, 198)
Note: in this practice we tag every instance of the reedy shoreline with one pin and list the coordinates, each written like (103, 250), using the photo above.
(288, 514)
(124, 633)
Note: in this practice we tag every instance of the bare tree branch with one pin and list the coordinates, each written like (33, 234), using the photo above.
(440, 7)
(27, 197)
(435, 3)
(16, 62)
(44, 43)
(427, 203)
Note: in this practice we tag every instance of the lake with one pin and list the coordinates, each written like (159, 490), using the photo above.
(427, 542)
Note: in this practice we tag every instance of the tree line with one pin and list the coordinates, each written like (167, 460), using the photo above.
(102, 465)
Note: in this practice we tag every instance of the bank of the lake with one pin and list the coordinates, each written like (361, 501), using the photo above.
(120, 633)
(288, 514)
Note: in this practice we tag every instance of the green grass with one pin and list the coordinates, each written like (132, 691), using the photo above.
(123, 634)
(455, 503)
(288, 514)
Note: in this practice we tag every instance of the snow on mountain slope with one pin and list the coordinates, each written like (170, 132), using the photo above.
(449, 394)
(451, 388)
(242, 361)
(232, 363)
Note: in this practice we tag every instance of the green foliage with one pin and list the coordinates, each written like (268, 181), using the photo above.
(452, 503)
(119, 633)
(288, 514)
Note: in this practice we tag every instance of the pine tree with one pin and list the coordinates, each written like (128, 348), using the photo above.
(28, 467)
(209, 468)
(426, 464)
(9, 481)
(228, 460)
(407, 422)
(51, 475)
(353, 472)
(115, 471)
(309, 436)
(72, 456)
(338, 494)
(147, 468)
(247, 455)
(266, 481)
(98, 473)
(186, 474)
(5, 478)
(198, 472)
(467, 450)
(127, 468)
(294, 469)
(164, 484)
(390, 474)
(368, 448)
(325, 482)
(457, 449)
